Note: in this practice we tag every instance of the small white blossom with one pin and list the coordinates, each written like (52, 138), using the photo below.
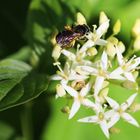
(77, 58)
(101, 73)
(67, 74)
(79, 98)
(126, 67)
(100, 118)
(94, 38)
(120, 111)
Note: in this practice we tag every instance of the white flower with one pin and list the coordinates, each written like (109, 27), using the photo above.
(127, 66)
(101, 73)
(100, 118)
(77, 59)
(67, 74)
(79, 98)
(120, 111)
(94, 38)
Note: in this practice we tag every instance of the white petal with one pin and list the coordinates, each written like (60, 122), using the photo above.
(64, 81)
(104, 127)
(90, 119)
(97, 101)
(69, 54)
(75, 107)
(102, 29)
(129, 76)
(104, 61)
(86, 62)
(88, 103)
(81, 19)
(84, 91)
(101, 42)
(114, 119)
(60, 91)
(108, 114)
(130, 119)
(89, 69)
(129, 101)
(56, 77)
(119, 57)
(117, 77)
(112, 103)
(98, 106)
(77, 77)
(81, 72)
(70, 90)
(98, 85)
(67, 68)
(116, 74)
(87, 45)
(134, 64)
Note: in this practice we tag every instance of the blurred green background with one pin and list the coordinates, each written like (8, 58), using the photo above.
(26, 28)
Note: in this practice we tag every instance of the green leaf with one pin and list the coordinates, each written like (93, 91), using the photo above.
(24, 54)
(11, 73)
(29, 88)
(6, 86)
(15, 69)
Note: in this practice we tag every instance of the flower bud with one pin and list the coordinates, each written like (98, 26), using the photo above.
(60, 91)
(137, 43)
(53, 39)
(117, 27)
(110, 49)
(103, 94)
(103, 18)
(56, 52)
(121, 46)
(136, 28)
(92, 51)
(134, 107)
(114, 130)
(113, 40)
(81, 19)
(135, 74)
(66, 109)
(130, 85)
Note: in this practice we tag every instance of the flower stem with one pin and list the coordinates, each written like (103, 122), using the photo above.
(26, 121)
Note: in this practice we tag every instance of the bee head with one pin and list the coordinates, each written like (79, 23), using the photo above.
(81, 29)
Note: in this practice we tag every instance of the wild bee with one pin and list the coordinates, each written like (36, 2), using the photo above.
(67, 37)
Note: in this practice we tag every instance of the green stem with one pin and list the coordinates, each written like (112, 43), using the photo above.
(26, 121)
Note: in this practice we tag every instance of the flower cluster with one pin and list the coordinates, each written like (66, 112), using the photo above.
(90, 69)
